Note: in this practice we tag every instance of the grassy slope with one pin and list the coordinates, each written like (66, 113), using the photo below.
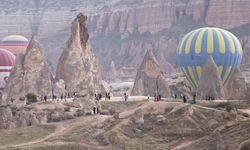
(23, 135)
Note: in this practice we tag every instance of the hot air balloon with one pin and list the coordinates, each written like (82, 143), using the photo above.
(195, 47)
(7, 61)
(17, 44)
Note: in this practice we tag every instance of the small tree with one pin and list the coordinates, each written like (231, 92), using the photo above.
(31, 98)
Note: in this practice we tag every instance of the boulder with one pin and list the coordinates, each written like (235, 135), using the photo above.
(138, 116)
(34, 120)
(86, 104)
(180, 86)
(149, 79)
(210, 82)
(59, 88)
(160, 118)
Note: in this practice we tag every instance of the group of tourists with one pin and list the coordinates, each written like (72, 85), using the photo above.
(98, 96)
(108, 95)
(184, 98)
(157, 97)
(62, 97)
(96, 110)
(209, 98)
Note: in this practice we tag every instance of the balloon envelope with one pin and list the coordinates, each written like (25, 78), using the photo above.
(17, 44)
(7, 61)
(195, 47)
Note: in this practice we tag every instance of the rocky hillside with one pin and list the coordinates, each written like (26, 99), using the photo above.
(135, 125)
(121, 30)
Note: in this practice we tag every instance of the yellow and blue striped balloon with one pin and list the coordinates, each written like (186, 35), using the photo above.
(195, 47)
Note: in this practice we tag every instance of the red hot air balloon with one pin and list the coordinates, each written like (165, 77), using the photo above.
(7, 61)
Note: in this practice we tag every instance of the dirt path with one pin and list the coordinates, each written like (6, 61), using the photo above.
(64, 127)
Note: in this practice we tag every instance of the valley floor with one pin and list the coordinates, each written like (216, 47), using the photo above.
(140, 124)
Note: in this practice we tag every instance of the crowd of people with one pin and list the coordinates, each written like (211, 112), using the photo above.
(62, 97)
(157, 97)
(209, 98)
(98, 96)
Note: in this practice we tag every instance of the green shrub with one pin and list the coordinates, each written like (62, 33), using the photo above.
(223, 105)
(79, 113)
(31, 98)
(229, 108)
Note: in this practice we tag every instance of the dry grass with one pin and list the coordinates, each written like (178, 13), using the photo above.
(22, 135)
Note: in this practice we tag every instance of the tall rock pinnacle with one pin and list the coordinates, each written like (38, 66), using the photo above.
(237, 86)
(149, 79)
(210, 83)
(77, 65)
(30, 74)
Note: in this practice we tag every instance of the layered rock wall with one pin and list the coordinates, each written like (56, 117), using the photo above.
(121, 30)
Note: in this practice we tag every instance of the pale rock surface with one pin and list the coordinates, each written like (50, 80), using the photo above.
(180, 86)
(237, 86)
(59, 88)
(138, 116)
(86, 104)
(5, 117)
(210, 83)
(219, 12)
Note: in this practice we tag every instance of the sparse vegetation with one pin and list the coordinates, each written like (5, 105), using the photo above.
(55, 147)
(31, 98)
(117, 106)
(67, 109)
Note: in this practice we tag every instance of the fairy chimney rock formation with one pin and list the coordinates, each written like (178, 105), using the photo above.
(30, 74)
(237, 86)
(77, 65)
(149, 79)
(210, 82)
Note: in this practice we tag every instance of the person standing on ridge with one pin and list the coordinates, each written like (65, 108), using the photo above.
(175, 96)
(45, 98)
(194, 98)
(62, 97)
(184, 99)
(125, 96)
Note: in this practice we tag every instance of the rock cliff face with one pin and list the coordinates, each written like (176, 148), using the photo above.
(77, 65)
(237, 86)
(149, 79)
(210, 83)
(228, 14)
(160, 26)
(31, 74)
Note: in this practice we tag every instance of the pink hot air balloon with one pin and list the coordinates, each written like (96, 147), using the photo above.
(17, 44)
(7, 61)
